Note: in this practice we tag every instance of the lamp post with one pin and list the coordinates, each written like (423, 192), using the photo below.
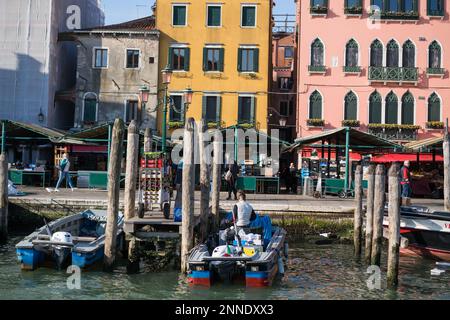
(144, 93)
(166, 79)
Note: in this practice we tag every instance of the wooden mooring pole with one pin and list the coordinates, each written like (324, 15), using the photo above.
(394, 226)
(187, 227)
(131, 171)
(217, 178)
(205, 183)
(369, 213)
(148, 140)
(3, 198)
(446, 150)
(113, 194)
(358, 219)
(378, 214)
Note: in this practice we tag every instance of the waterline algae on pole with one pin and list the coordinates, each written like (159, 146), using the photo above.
(378, 214)
(187, 227)
(113, 194)
(394, 226)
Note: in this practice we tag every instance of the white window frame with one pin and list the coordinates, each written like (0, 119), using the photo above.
(212, 4)
(242, 15)
(323, 104)
(94, 51)
(179, 46)
(180, 4)
(125, 103)
(83, 103)
(178, 94)
(126, 58)
(249, 46)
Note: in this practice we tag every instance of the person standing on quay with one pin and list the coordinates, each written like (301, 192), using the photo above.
(63, 168)
(405, 181)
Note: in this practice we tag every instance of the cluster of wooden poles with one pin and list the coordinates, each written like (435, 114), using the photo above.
(375, 207)
(209, 213)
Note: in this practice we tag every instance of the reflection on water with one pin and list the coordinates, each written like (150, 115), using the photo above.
(314, 272)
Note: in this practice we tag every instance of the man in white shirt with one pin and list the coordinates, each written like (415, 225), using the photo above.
(242, 215)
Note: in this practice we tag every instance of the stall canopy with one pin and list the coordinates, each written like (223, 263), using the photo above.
(425, 144)
(354, 139)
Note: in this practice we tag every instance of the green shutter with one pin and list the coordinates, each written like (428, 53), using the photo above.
(256, 61)
(205, 59)
(219, 109)
(221, 59)
(187, 58)
(90, 107)
(239, 109)
(169, 58)
(179, 15)
(204, 100)
(253, 110)
(239, 66)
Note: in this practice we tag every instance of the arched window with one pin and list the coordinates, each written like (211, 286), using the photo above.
(375, 107)
(434, 55)
(434, 108)
(351, 54)
(376, 54)
(408, 108)
(90, 107)
(391, 109)
(351, 106)
(317, 53)
(409, 54)
(392, 54)
(315, 105)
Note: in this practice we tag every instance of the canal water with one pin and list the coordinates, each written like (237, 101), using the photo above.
(313, 272)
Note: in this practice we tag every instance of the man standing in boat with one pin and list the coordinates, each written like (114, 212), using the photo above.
(405, 181)
(243, 214)
(63, 168)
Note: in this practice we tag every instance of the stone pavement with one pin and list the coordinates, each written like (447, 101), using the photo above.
(261, 202)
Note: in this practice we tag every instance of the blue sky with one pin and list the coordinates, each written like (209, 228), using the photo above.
(120, 10)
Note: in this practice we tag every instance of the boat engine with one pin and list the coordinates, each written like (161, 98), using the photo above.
(63, 237)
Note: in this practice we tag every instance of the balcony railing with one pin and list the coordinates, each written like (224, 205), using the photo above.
(393, 74)
(323, 10)
(352, 69)
(395, 15)
(436, 71)
(393, 132)
(317, 69)
(353, 10)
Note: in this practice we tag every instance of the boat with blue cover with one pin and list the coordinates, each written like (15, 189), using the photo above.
(77, 240)
(256, 260)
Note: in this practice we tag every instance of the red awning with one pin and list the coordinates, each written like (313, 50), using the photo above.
(93, 149)
(400, 157)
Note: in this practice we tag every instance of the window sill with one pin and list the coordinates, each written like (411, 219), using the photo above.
(436, 17)
(317, 72)
(181, 26)
(436, 75)
(324, 15)
(99, 68)
(353, 15)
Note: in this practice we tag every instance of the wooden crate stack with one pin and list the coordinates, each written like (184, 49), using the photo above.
(152, 179)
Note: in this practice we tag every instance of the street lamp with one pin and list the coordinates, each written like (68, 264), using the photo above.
(187, 94)
(144, 93)
(166, 79)
(283, 121)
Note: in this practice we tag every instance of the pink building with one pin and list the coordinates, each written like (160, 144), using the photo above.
(383, 70)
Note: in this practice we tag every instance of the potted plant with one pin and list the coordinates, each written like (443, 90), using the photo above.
(246, 125)
(213, 124)
(154, 155)
(435, 125)
(319, 9)
(176, 124)
(353, 10)
(351, 123)
(315, 122)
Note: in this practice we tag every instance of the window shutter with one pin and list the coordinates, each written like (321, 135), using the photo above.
(205, 59)
(221, 59)
(239, 60)
(218, 108)
(239, 109)
(204, 107)
(252, 110)
(187, 58)
(256, 62)
(170, 58)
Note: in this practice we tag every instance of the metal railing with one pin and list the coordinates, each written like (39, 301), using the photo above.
(393, 74)
(394, 133)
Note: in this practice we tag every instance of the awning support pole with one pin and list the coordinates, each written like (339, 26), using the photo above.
(3, 137)
(236, 145)
(347, 160)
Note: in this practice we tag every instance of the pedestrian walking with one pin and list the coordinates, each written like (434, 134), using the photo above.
(405, 181)
(63, 168)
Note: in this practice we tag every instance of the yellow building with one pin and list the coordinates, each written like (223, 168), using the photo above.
(221, 50)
